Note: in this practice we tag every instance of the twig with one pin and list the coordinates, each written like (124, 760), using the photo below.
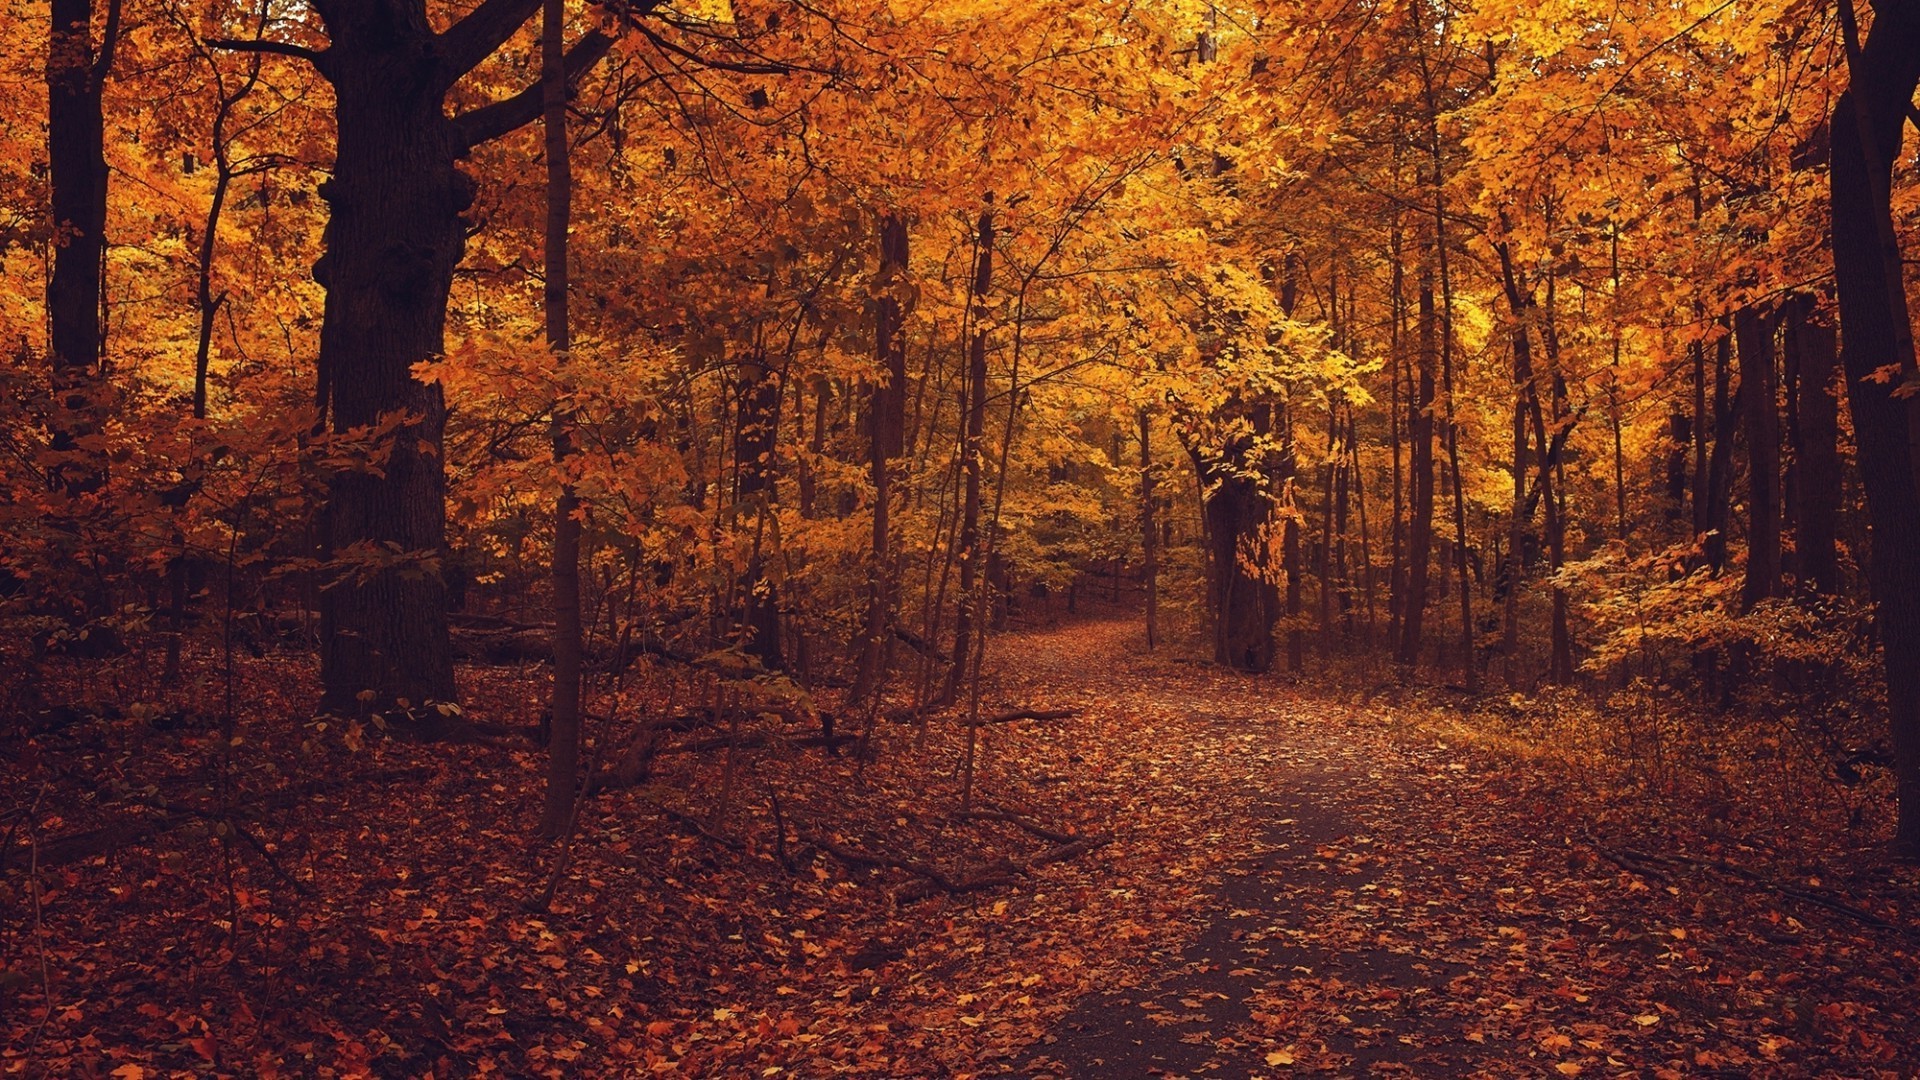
(76, 846)
(561, 862)
(1027, 714)
(39, 925)
(268, 857)
(694, 823)
(1011, 818)
(1818, 899)
(1630, 866)
(1003, 871)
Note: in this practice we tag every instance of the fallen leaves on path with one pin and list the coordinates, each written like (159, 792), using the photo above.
(387, 936)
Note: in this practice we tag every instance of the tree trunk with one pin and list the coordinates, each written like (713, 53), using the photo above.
(1149, 539)
(1728, 406)
(394, 234)
(392, 242)
(1413, 605)
(1236, 510)
(1816, 455)
(886, 429)
(973, 460)
(77, 178)
(1396, 559)
(1878, 341)
(563, 732)
(1521, 515)
(755, 443)
(1281, 499)
(1754, 334)
(1553, 484)
(1679, 439)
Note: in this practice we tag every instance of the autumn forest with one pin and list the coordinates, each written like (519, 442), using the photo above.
(1069, 538)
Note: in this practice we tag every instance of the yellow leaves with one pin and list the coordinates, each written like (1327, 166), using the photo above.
(1280, 1057)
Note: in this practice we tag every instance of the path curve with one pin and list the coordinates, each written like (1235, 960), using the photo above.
(1395, 906)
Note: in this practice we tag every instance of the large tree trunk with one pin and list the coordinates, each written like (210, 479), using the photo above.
(1237, 511)
(1877, 337)
(394, 234)
(392, 242)
(77, 177)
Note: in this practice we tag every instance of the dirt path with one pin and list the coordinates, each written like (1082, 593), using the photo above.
(1381, 904)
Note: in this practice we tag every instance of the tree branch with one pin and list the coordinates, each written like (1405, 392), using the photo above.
(462, 46)
(109, 39)
(489, 122)
(261, 45)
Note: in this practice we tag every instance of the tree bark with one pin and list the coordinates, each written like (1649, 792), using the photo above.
(1728, 407)
(1754, 333)
(1877, 353)
(1149, 529)
(77, 178)
(755, 445)
(973, 461)
(1413, 605)
(1237, 508)
(395, 233)
(1816, 454)
(563, 733)
(886, 420)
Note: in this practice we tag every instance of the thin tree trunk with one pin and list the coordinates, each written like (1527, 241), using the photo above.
(886, 431)
(1396, 564)
(1816, 454)
(1520, 516)
(1754, 332)
(755, 446)
(1420, 526)
(1728, 407)
(1149, 538)
(972, 451)
(563, 740)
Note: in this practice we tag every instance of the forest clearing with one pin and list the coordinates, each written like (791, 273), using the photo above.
(1068, 538)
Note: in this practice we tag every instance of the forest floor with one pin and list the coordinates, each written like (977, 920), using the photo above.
(1195, 874)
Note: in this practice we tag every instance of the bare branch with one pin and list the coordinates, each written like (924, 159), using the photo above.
(262, 45)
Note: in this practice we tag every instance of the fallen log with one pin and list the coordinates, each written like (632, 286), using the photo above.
(918, 644)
